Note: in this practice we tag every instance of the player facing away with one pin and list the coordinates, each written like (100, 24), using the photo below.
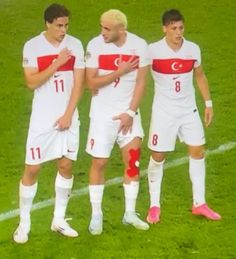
(116, 68)
(174, 61)
(54, 69)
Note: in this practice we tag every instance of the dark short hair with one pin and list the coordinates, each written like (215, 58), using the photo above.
(172, 15)
(55, 11)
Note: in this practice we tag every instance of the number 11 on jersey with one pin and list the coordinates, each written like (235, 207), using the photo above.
(59, 84)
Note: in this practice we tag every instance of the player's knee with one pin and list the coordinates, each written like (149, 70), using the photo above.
(158, 156)
(133, 163)
(31, 171)
(196, 152)
(99, 164)
(65, 167)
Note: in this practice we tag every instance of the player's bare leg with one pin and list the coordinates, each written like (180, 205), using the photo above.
(155, 175)
(63, 187)
(96, 188)
(131, 155)
(27, 192)
(197, 173)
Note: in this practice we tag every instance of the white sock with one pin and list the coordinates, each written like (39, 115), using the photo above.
(197, 176)
(26, 197)
(131, 194)
(155, 175)
(63, 188)
(96, 195)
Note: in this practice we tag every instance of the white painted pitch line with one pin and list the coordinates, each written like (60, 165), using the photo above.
(79, 192)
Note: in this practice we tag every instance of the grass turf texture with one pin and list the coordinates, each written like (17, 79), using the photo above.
(179, 235)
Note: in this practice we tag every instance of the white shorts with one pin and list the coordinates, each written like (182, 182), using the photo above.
(103, 135)
(165, 128)
(45, 146)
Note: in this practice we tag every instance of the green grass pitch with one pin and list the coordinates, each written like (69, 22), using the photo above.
(179, 235)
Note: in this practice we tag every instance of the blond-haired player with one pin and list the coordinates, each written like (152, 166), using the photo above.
(116, 67)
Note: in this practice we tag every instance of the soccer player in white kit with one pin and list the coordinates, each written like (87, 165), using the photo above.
(54, 68)
(116, 68)
(174, 61)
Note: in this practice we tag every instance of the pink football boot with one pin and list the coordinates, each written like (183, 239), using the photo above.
(153, 215)
(205, 211)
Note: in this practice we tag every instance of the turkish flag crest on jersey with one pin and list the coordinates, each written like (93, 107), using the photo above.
(111, 61)
(45, 61)
(173, 66)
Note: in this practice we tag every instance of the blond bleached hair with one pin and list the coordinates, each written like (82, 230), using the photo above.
(116, 17)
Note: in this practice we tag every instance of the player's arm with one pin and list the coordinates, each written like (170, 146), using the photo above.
(202, 84)
(35, 79)
(64, 122)
(96, 81)
(126, 118)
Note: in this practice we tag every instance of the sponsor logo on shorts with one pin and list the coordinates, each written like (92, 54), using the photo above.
(70, 151)
(25, 61)
(91, 143)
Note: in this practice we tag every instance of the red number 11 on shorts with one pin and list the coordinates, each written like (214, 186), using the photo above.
(35, 153)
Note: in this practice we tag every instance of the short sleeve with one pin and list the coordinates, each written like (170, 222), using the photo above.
(79, 55)
(197, 56)
(91, 56)
(149, 50)
(29, 56)
(144, 57)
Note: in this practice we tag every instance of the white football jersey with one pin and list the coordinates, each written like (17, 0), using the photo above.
(51, 99)
(114, 98)
(172, 72)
